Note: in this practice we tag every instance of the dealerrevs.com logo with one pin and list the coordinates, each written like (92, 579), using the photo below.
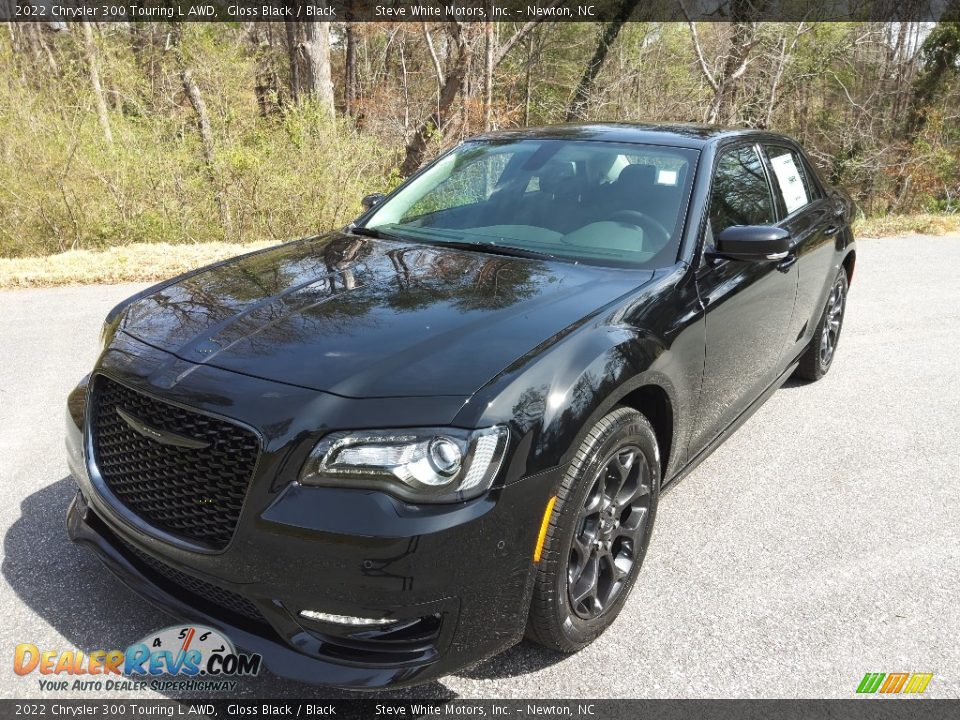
(203, 655)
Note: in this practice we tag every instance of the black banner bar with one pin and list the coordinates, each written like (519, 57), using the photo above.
(458, 709)
(66, 11)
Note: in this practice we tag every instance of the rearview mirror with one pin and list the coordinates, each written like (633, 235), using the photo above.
(753, 242)
(372, 199)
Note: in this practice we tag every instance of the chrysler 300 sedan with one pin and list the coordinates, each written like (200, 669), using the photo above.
(381, 454)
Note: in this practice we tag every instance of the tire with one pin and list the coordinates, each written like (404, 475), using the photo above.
(619, 451)
(818, 357)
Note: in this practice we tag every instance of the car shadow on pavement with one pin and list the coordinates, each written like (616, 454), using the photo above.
(81, 600)
(521, 659)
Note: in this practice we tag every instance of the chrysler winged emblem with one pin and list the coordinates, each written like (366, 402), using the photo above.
(163, 437)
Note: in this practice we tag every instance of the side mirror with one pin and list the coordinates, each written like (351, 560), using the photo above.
(372, 199)
(753, 242)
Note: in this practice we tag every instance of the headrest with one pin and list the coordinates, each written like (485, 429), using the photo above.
(553, 175)
(637, 176)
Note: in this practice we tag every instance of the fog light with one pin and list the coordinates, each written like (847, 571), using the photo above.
(343, 619)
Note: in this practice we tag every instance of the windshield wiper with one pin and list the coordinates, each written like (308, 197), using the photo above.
(487, 246)
(494, 249)
(375, 233)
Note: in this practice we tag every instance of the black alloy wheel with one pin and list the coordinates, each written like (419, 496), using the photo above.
(598, 532)
(830, 333)
(610, 528)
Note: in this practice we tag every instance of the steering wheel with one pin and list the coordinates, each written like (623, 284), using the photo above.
(641, 220)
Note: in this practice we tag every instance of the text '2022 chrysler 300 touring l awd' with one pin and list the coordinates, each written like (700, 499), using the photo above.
(382, 454)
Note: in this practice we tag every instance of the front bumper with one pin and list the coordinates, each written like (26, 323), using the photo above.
(456, 580)
(84, 527)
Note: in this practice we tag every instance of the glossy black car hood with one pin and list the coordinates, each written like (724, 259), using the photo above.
(369, 318)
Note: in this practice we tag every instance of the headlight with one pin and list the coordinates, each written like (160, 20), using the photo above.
(421, 465)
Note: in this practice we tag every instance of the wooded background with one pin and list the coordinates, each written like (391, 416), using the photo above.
(146, 132)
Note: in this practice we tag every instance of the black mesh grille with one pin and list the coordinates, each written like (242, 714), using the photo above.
(208, 592)
(194, 494)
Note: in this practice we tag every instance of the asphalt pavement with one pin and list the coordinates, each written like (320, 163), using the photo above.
(819, 543)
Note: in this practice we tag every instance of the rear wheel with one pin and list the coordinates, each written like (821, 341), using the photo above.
(598, 534)
(818, 357)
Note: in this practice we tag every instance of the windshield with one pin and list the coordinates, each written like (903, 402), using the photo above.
(596, 202)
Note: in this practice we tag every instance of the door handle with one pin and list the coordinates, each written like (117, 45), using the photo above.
(786, 263)
(832, 230)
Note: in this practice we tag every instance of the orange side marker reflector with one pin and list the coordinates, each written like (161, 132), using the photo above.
(541, 538)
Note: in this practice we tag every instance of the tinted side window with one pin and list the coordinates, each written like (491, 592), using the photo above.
(741, 194)
(792, 178)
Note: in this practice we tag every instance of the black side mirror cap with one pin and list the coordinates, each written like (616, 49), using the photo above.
(369, 201)
(753, 242)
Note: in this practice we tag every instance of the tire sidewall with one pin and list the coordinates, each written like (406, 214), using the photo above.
(840, 279)
(578, 630)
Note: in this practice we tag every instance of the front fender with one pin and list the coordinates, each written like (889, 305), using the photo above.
(554, 394)
(551, 399)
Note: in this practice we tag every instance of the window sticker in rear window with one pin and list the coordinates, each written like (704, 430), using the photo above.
(792, 187)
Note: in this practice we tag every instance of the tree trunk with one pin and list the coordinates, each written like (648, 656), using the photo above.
(350, 64)
(775, 84)
(263, 88)
(723, 108)
(33, 31)
(466, 85)
(405, 86)
(207, 146)
(527, 84)
(581, 96)
(141, 44)
(99, 99)
(452, 86)
(294, 59)
(488, 70)
(316, 46)
(727, 86)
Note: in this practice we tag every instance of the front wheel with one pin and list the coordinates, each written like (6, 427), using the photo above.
(818, 357)
(598, 533)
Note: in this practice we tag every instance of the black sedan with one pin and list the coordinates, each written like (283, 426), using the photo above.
(379, 455)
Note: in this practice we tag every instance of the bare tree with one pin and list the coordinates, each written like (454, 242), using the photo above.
(316, 47)
(726, 84)
(450, 86)
(489, 38)
(608, 35)
(292, 28)
(453, 85)
(90, 48)
(350, 62)
(266, 85)
(207, 145)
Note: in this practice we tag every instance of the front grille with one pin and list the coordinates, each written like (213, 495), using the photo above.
(193, 494)
(211, 594)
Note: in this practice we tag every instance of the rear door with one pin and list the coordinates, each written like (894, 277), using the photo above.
(748, 305)
(810, 217)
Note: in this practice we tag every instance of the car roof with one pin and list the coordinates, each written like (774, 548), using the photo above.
(689, 135)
